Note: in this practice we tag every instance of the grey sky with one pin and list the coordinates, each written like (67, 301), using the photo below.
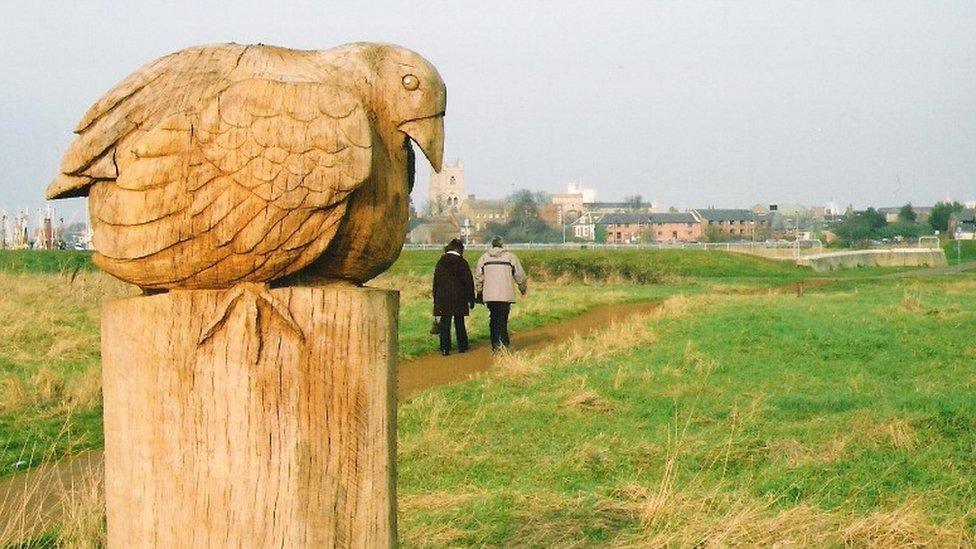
(688, 104)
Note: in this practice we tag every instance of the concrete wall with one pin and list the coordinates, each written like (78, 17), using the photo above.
(895, 257)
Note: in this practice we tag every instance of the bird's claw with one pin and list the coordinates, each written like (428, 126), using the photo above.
(251, 294)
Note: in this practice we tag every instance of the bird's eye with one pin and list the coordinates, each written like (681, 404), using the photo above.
(411, 82)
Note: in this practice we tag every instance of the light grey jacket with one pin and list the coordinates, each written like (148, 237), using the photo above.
(496, 275)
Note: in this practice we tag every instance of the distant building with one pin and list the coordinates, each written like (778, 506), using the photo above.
(6, 232)
(584, 227)
(674, 227)
(891, 213)
(568, 206)
(619, 207)
(445, 190)
(552, 214)
(624, 228)
(962, 225)
(637, 228)
(575, 187)
(479, 213)
(731, 224)
(439, 230)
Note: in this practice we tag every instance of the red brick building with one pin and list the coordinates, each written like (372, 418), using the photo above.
(656, 227)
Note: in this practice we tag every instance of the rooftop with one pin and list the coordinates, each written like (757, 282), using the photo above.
(714, 214)
(623, 219)
(965, 216)
(683, 217)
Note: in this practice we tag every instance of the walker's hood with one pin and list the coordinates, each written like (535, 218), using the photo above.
(497, 252)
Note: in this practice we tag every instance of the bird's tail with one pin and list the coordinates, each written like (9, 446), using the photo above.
(68, 186)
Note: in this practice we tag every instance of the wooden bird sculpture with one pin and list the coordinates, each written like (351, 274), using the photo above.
(227, 165)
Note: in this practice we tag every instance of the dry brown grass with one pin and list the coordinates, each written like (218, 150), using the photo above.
(911, 301)
(435, 440)
(65, 500)
(724, 519)
(412, 287)
(587, 400)
(617, 338)
(50, 331)
(676, 516)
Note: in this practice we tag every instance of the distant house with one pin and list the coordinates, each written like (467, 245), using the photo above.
(891, 214)
(480, 212)
(674, 227)
(727, 223)
(439, 230)
(657, 227)
(569, 205)
(962, 225)
(584, 228)
(619, 207)
(552, 214)
(624, 228)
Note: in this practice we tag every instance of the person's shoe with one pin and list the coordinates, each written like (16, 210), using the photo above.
(445, 353)
(464, 350)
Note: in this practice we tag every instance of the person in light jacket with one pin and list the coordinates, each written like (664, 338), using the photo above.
(453, 295)
(497, 274)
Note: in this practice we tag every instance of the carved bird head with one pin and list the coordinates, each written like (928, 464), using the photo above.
(406, 93)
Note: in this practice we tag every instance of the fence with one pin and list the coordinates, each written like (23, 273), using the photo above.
(785, 248)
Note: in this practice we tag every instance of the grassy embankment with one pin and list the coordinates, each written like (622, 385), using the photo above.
(843, 417)
(49, 356)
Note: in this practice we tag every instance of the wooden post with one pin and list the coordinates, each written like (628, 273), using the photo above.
(261, 435)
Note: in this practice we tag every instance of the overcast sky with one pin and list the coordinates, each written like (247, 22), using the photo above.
(688, 104)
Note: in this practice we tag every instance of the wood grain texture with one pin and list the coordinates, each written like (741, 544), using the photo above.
(224, 164)
(205, 449)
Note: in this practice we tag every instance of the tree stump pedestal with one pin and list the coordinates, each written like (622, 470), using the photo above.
(262, 418)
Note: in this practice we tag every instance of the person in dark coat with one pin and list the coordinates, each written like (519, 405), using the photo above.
(453, 295)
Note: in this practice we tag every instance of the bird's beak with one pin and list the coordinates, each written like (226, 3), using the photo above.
(428, 134)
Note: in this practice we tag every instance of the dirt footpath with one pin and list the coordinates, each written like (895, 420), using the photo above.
(435, 370)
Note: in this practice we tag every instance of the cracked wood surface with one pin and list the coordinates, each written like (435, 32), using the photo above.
(204, 448)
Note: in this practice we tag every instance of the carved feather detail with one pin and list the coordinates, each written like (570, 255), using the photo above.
(224, 164)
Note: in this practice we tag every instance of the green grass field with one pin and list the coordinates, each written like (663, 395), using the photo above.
(49, 356)
(966, 250)
(48, 262)
(842, 417)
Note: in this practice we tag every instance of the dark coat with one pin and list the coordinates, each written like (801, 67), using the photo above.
(453, 286)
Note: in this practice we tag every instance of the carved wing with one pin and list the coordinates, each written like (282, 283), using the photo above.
(133, 106)
(246, 186)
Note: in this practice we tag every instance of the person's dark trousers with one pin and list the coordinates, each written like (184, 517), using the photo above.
(459, 329)
(498, 323)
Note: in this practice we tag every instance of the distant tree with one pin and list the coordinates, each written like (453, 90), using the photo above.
(524, 223)
(525, 208)
(858, 227)
(434, 207)
(939, 218)
(634, 202)
(600, 233)
(673, 210)
(907, 214)
(873, 218)
(713, 234)
(903, 229)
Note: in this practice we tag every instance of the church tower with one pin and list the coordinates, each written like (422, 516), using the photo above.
(446, 189)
